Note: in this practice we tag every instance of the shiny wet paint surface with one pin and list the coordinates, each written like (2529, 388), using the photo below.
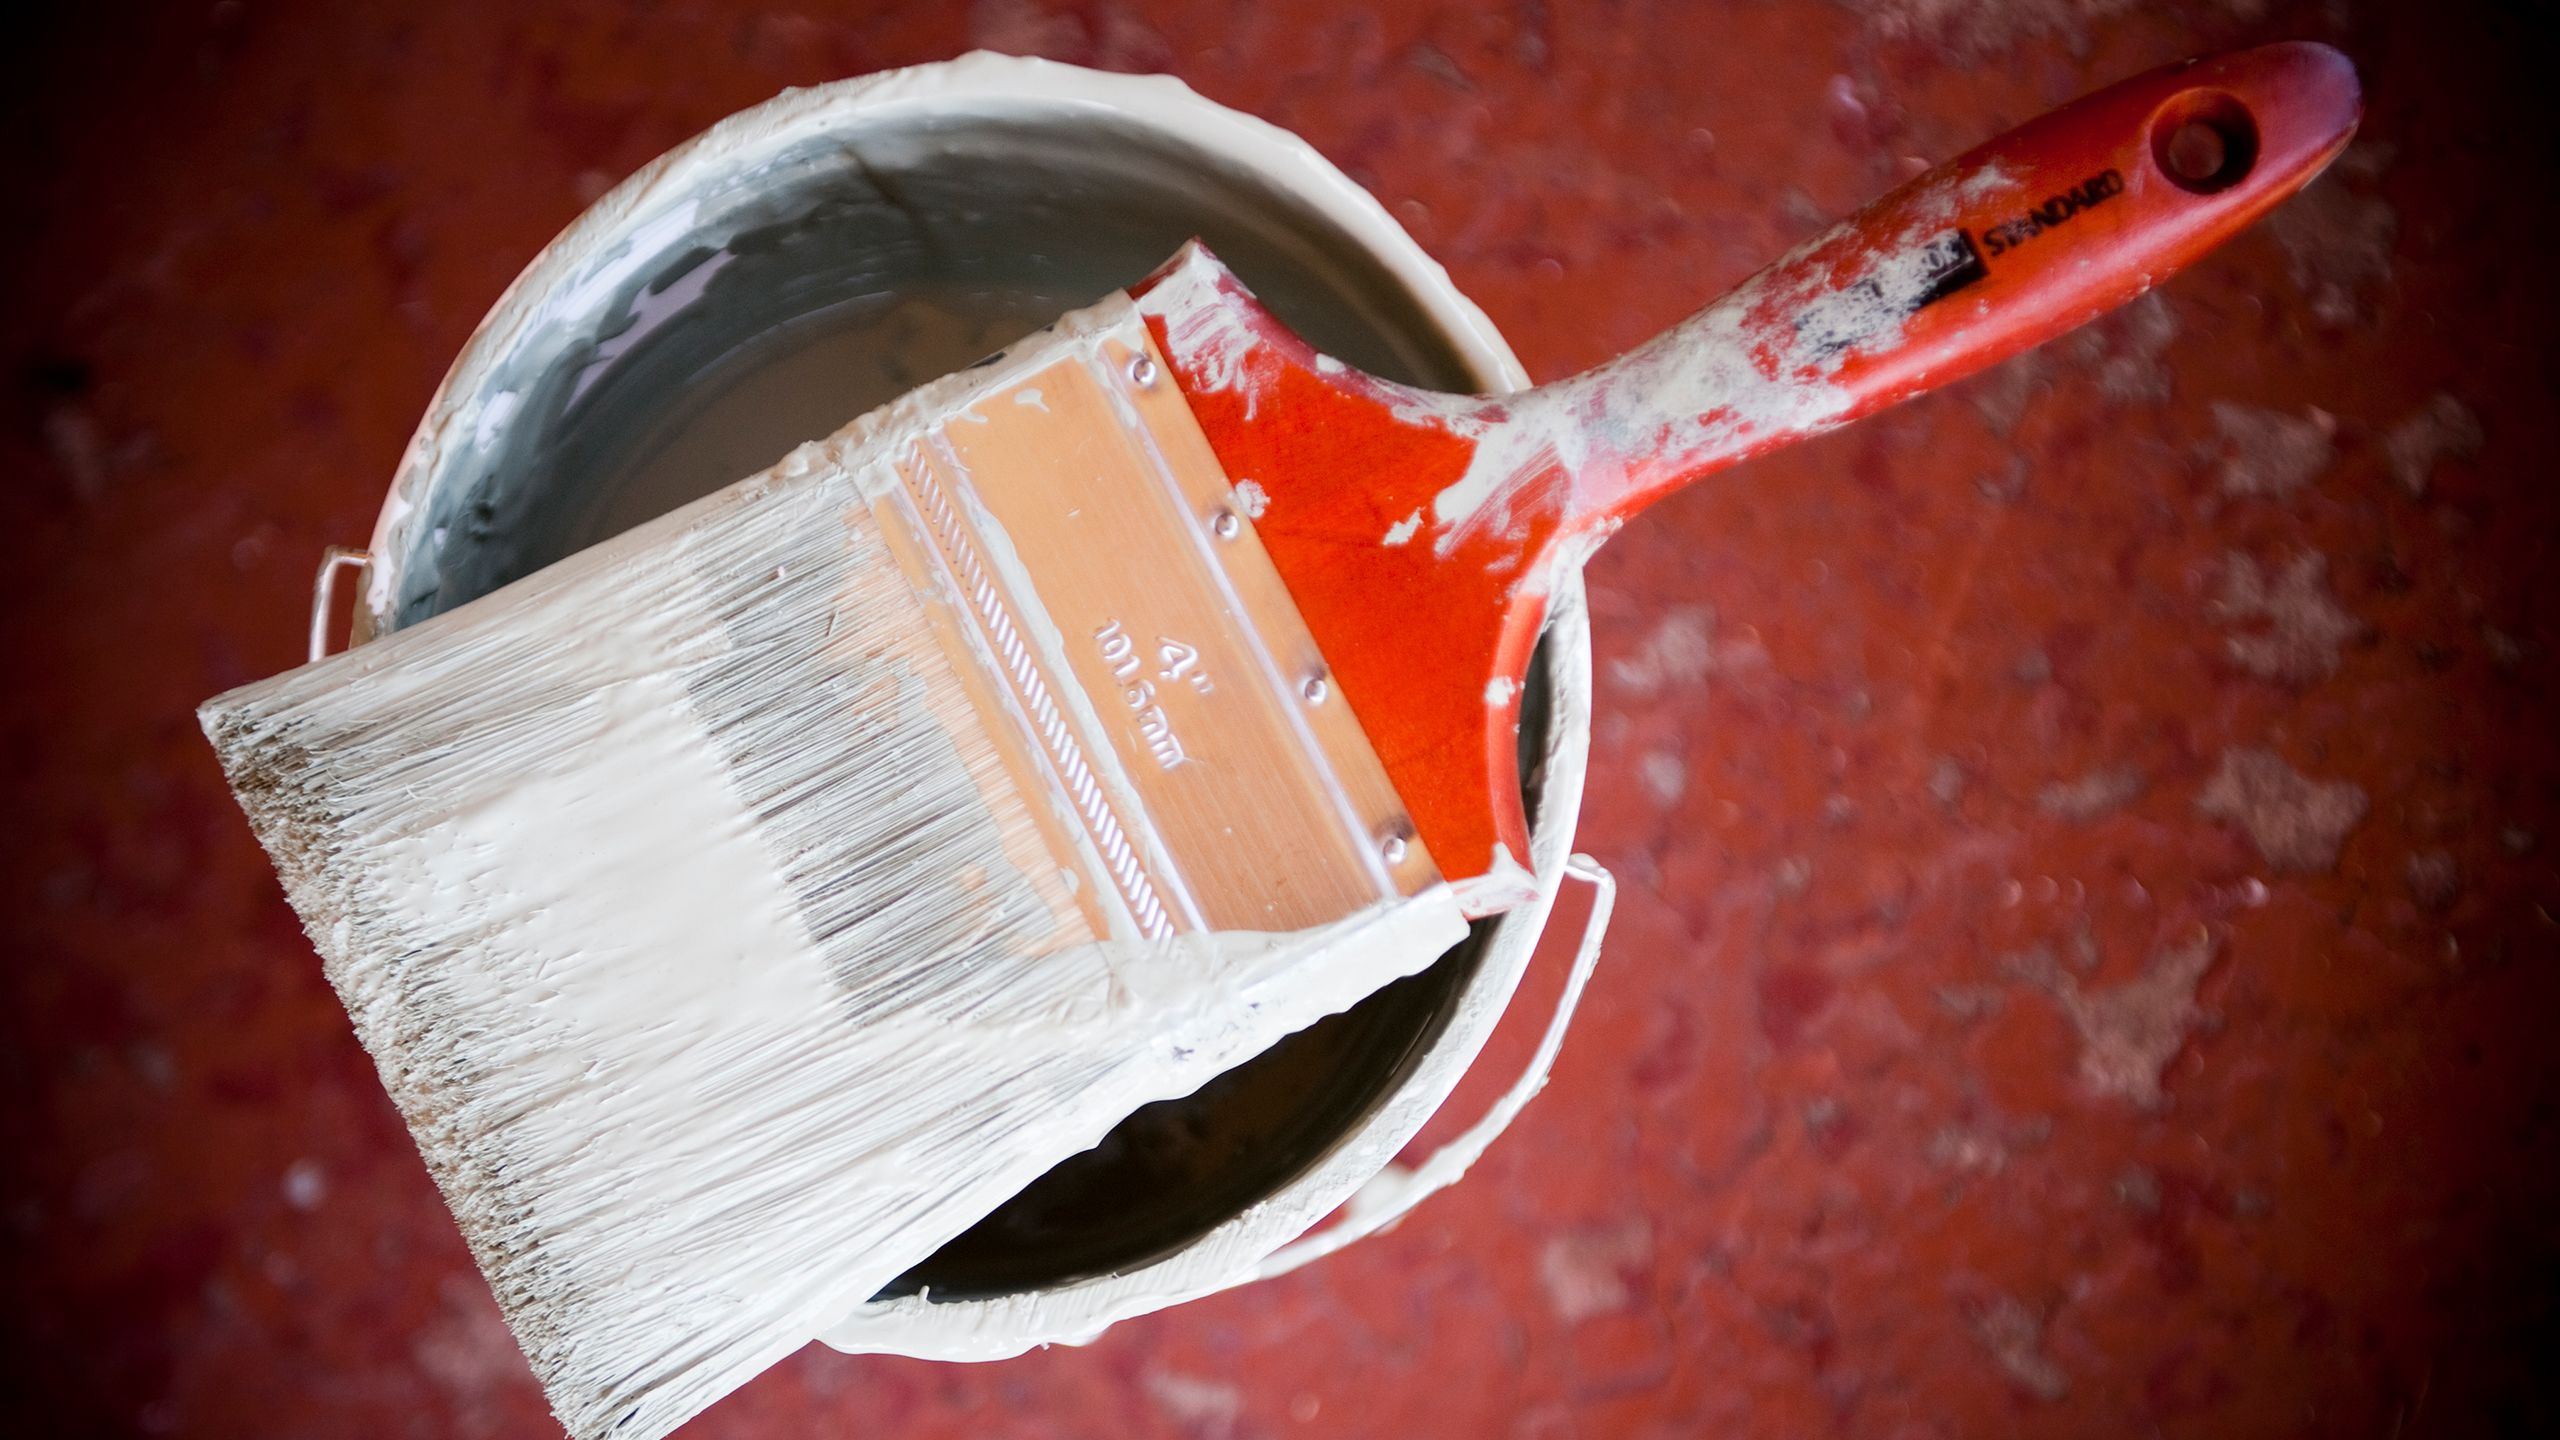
(2086, 960)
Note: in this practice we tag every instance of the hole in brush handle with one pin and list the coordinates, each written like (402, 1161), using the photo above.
(2204, 141)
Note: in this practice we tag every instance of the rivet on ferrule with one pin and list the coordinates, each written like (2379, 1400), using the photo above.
(1142, 371)
(1315, 689)
(1225, 525)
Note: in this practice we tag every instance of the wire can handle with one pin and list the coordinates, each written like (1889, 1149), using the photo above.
(1387, 1198)
(324, 591)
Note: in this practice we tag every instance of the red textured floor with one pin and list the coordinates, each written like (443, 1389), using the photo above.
(2088, 963)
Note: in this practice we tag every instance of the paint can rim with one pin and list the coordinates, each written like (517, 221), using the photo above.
(982, 84)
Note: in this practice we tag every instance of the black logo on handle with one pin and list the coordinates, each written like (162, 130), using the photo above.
(1856, 315)
(1952, 264)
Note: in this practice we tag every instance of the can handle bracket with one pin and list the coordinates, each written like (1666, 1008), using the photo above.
(324, 591)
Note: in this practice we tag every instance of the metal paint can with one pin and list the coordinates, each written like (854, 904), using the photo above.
(813, 257)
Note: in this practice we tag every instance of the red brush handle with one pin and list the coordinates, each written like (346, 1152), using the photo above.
(1999, 250)
(1421, 533)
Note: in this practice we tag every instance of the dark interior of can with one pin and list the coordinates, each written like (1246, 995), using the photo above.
(864, 265)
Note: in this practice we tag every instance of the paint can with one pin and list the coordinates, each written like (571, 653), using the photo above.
(808, 259)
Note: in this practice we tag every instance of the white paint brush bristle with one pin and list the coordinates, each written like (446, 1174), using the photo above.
(740, 910)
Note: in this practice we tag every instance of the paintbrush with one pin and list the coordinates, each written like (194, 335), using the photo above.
(742, 908)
